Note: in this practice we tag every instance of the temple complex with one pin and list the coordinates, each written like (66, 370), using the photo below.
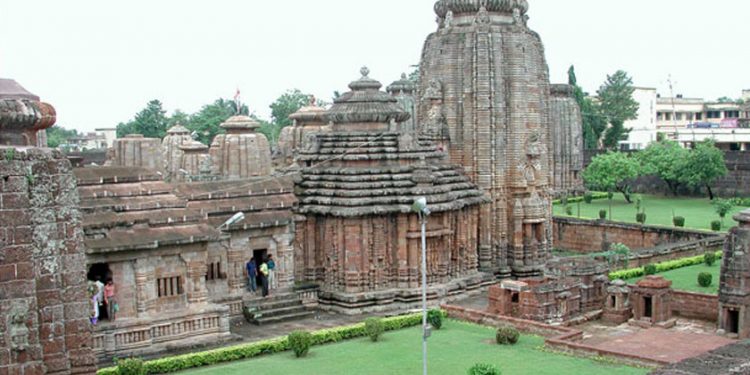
(44, 307)
(567, 133)
(359, 239)
(484, 72)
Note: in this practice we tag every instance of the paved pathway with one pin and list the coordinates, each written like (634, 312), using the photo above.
(665, 345)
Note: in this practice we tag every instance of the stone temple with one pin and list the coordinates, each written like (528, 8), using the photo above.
(483, 72)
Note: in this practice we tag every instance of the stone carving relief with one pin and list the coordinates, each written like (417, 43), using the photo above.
(533, 167)
(448, 20)
(483, 17)
(434, 90)
(19, 333)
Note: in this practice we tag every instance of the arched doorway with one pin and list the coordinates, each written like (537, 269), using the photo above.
(100, 272)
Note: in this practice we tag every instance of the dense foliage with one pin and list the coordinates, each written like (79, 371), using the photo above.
(709, 258)
(130, 366)
(617, 105)
(664, 159)
(484, 369)
(613, 171)
(374, 328)
(661, 267)
(300, 342)
(435, 318)
(507, 335)
(57, 136)
(705, 279)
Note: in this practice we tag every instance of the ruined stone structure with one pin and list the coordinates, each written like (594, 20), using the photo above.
(177, 136)
(195, 162)
(134, 150)
(590, 273)
(567, 140)
(734, 290)
(241, 152)
(360, 240)
(44, 325)
(543, 299)
(404, 90)
(651, 301)
(306, 121)
(617, 310)
(485, 72)
(155, 249)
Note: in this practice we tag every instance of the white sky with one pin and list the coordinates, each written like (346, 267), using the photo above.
(100, 61)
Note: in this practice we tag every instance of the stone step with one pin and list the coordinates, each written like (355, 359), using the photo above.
(265, 320)
(275, 305)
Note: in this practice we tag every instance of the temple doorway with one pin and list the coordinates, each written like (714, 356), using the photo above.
(260, 257)
(733, 321)
(100, 272)
(647, 307)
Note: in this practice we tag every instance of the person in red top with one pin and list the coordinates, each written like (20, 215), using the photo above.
(110, 300)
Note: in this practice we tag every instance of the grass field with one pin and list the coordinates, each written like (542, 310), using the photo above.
(687, 278)
(698, 212)
(452, 350)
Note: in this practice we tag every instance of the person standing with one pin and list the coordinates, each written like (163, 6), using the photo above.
(271, 272)
(110, 300)
(252, 275)
(99, 295)
(264, 278)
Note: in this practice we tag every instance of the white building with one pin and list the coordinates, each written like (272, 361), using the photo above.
(643, 129)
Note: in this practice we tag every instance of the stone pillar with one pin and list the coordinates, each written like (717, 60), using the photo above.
(236, 274)
(195, 285)
(145, 278)
(284, 261)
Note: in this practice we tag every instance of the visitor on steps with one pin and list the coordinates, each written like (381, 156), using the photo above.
(264, 278)
(271, 272)
(251, 270)
(110, 300)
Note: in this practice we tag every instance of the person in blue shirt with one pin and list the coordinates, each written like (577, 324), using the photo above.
(252, 274)
(271, 272)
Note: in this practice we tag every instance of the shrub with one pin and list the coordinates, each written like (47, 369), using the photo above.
(705, 279)
(709, 258)
(483, 369)
(661, 267)
(564, 200)
(435, 318)
(374, 328)
(588, 198)
(507, 335)
(640, 217)
(716, 225)
(610, 195)
(602, 214)
(130, 366)
(569, 210)
(678, 221)
(649, 269)
(300, 342)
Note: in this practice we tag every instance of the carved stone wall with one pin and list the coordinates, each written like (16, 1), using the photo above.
(734, 291)
(171, 151)
(44, 309)
(489, 71)
(241, 152)
(136, 151)
(567, 136)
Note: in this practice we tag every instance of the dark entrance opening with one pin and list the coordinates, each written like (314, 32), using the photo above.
(260, 256)
(647, 307)
(514, 297)
(100, 272)
(612, 302)
(733, 321)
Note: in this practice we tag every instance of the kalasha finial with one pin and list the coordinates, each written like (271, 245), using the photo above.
(365, 72)
(403, 76)
(313, 100)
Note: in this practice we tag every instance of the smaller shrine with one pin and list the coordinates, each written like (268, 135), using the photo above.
(134, 150)
(177, 136)
(651, 301)
(306, 121)
(617, 310)
(241, 152)
(734, 292)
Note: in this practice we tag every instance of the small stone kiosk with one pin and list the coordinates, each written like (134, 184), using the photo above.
(734, 292)
(617, 310)
(241, 152)
(651, 300)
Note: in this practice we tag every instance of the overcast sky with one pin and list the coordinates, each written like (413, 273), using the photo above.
(99, 62)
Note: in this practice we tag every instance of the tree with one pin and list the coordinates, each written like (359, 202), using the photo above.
(206, 122)
(617, 105)
(285, 105)
(152, 122)
(57, 135)
(594, 122)
(612, 171)
(704, 165)
(664, 159)
(722, 207)
(178, 118)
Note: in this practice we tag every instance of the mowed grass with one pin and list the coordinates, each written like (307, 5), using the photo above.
(698, 212)
(451, 351)
(686, 278)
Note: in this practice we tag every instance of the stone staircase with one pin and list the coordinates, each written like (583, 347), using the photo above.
(275, 309)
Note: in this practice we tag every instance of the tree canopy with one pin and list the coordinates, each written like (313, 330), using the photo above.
(152, 122)
(613, 171)
(594, 121)
(664, 159)
(704, 165)
(617, 105)
(57, 135)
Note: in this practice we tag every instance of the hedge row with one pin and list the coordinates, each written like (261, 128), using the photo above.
(595, 195)
(245, 351)
(661, 267)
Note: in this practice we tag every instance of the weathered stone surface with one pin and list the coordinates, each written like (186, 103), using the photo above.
(484, 70)
(40, 241)
(177, 136)
(195, 162)
(567, 139)
(734, 290)
(305, 122)
(240, 153)
(23, 118)
(136, 151)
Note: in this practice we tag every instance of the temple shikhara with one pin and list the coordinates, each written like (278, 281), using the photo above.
(482, 134)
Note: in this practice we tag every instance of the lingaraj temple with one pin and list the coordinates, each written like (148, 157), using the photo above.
(483, 135)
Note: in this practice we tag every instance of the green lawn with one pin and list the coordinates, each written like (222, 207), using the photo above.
(687, 278)
(698, 212)
(452, 350)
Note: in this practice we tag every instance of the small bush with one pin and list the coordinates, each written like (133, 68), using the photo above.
(507, 335)
(602, 214)
(483, 369)
(130, 366)
(374, 328)
(641, 217)
(435, 318)
(705, 279)
(300, 342)
(716, 225)
(649, 269)
(569, 210)
(661, 267)
(678, 221)
(610, 195)
(564, 200)
(709, 258)
(588, 198)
